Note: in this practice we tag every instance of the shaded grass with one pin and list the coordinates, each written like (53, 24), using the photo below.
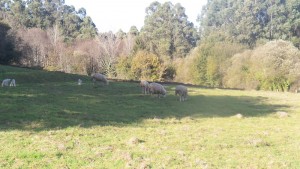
(53, 123)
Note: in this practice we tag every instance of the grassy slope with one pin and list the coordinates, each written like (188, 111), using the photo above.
(47, 121)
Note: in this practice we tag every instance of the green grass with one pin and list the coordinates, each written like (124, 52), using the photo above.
(47, 121)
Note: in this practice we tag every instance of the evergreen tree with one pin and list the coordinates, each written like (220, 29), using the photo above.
(8, 53)
(247, 21)
(167, 30)
(47, 14)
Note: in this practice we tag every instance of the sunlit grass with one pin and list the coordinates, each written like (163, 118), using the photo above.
(51, 122)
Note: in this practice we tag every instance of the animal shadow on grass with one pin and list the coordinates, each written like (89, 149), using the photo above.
(62, 106)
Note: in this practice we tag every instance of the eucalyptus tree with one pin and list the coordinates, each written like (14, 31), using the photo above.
(167, 31)
(247, 21)
(47, 14)
(8, 51)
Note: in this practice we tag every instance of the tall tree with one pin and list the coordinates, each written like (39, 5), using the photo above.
(46, 14)
(8, 52)
(247, 21)
(167, 30)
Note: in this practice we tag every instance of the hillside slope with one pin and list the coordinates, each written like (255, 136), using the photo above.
(48, 121)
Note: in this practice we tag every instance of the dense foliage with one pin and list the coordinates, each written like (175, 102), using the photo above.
(248, 21)
(47, 14)
(8, 52)
(167, 30)
(273, 66)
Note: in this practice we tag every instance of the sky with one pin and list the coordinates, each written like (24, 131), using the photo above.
(113, 15)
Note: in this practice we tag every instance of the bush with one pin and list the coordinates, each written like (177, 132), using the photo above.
(146, 65)
(273, 66)
(276, 65)
(238, 73)
(186, 68)
(206, 64)
(123, 68)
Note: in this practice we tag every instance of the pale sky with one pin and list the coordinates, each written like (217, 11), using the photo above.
(112, 15)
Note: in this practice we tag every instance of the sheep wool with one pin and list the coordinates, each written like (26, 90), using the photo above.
(145, 86)
(8, 82)
(158, 89)
(79, 82)
(182, 92)
(99, 78)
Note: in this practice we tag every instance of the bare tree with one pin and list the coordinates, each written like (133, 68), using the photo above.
(128, 44)
(110, 47)
(91, 50)
(37, 43)
(56, 57)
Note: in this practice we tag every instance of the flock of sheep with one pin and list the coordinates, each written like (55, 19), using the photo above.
(147, 88)
(156, 88)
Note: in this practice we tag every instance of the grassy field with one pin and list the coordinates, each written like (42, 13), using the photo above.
(48, 121)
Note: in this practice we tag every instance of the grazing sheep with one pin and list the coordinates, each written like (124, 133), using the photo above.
(145, 86)
(155, 88)
(79, 82)
(8, 82)
(5, 82)
(13, 82)
(99, 78)
(182, 92)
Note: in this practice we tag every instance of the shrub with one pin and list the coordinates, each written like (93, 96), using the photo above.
(238, 73)
(146, 65)
(206, 64)
(273, 66)
(123, 68)
(276, 65)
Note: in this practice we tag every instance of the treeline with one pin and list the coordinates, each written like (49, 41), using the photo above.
(251, 22)
(229, 27)
(236, 46)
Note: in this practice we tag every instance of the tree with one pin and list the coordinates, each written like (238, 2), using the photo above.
(133, 31)
(247, 21)
(273, 66)
(8, 51)
(146, 66)
(110, 50)
(45, 14)
(167, 30)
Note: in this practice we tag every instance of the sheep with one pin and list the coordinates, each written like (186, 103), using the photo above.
(182, 92)
(155, 88)
(100, 78)
(79, 82)
(13, 82)
(145, 86)
(8, 82)
(5, 82)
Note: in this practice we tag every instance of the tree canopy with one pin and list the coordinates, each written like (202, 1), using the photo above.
(49, 13)
(248, 21)
(167, 30)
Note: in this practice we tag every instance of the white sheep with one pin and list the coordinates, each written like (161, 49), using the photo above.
(99, 78)
(13, 82)
(79, 82)
(8, 82)
(182, 92)
(145, 86)
(155, 88)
